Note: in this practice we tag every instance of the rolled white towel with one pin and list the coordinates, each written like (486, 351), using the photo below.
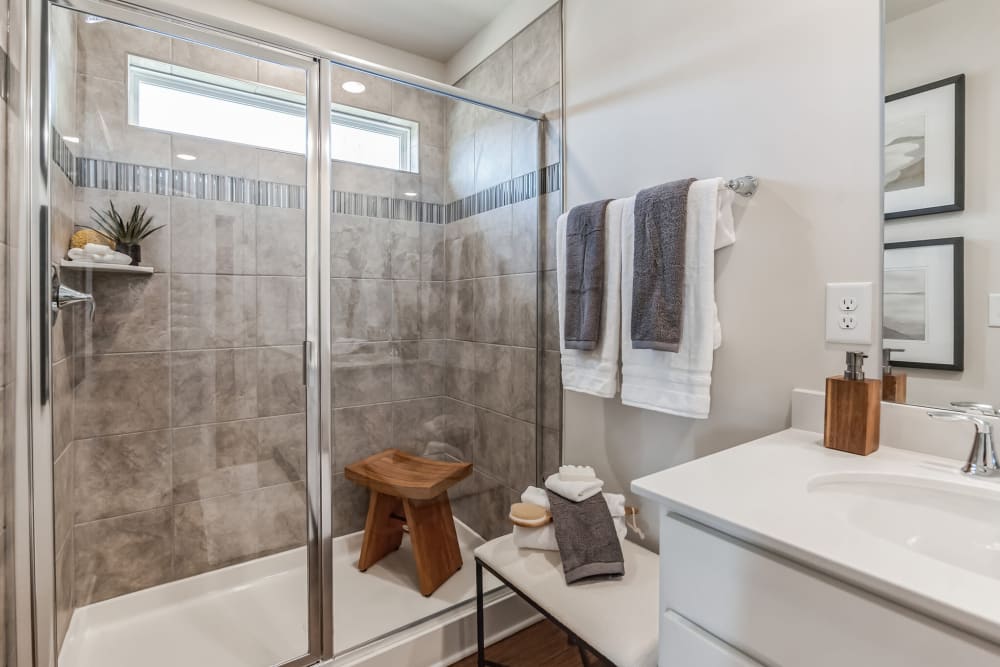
(97, 249)
(573, 491)
(544, 538)
(99, 254)
(536, 496)
(576, 473)
(115, 258)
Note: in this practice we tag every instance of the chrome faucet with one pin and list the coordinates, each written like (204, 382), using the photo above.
(982, 459)
(972, 406)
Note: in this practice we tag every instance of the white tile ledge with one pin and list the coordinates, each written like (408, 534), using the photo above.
(105, 268)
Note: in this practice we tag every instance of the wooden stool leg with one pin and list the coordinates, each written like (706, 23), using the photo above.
(383, 532)
(434, 541)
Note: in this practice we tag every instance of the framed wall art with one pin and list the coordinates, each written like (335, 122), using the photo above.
(922, 303)
(925, 150)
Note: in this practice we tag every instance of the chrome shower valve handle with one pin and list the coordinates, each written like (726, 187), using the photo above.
(63, 296)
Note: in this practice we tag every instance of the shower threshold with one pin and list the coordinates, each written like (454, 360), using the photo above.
(254, 614)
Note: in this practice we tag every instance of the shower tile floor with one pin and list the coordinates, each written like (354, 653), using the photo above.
(254, 614)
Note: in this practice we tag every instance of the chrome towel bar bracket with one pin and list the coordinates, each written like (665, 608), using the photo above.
(745, 186)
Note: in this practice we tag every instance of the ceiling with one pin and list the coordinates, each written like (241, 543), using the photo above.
(897, 9)
(435, 29)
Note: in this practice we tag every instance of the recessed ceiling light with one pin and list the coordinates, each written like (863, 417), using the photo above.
(186, 156)
(355, 87)
(72, 140)
(409, 194)
(93, 19)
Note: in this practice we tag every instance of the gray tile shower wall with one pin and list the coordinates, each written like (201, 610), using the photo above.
(179, 410)
(498, 247)
(444, 362)
(179, 414)
(388, 324)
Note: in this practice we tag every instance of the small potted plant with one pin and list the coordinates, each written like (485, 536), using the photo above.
(126, 234)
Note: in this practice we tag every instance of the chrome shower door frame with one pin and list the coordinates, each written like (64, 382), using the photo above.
(316, 347)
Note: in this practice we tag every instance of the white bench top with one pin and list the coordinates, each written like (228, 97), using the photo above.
(619, 618)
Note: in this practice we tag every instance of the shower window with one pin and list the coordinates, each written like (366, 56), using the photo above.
(176, 99)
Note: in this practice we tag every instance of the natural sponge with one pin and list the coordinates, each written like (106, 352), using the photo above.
(84, 236)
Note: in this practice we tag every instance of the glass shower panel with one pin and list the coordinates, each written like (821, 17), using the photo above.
(435, 337)
(179, 408)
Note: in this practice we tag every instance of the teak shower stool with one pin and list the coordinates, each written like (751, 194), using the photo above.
(409, 490)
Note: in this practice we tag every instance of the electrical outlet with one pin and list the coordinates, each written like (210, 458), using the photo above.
(849, 313)
(848, 303)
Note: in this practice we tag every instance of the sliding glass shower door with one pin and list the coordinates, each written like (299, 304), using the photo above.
(183, 393)
(254, 270)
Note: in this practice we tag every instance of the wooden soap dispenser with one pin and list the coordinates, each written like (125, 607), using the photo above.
(852, 409)
(893, 384)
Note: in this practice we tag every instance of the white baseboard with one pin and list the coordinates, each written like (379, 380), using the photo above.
(445, 639)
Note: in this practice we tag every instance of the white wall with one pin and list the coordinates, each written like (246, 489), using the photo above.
(947, 39)
(244, 12)
(512, 20)
(789, 92)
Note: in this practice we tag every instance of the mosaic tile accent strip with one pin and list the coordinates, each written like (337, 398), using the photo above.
(62, 156)
(526, 186)
(374, 206)
(127, 177)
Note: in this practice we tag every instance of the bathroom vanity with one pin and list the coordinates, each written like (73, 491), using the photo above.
(780, 552)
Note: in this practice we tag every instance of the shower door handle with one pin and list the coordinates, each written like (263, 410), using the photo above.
(306, 359)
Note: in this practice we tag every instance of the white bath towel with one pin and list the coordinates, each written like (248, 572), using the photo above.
(544, 537)
(574, 491)
(536, 496)
(576, 473)
(594, 371)
(99, 254)
(679, 383)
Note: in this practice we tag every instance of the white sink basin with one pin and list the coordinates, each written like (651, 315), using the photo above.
(954, 522)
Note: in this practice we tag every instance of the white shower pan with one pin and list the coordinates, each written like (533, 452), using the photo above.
(254, 614)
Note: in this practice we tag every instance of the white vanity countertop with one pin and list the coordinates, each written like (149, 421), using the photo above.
(760, 492)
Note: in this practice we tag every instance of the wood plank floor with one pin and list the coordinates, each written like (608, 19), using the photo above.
(541, 644)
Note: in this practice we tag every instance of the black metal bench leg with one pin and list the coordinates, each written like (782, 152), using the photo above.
(480, 629)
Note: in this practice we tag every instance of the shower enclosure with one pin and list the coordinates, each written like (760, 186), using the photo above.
(344, 262)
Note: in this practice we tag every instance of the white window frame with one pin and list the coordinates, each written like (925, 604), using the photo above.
(143, 70)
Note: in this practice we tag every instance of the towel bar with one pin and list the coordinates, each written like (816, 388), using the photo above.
(744, 186)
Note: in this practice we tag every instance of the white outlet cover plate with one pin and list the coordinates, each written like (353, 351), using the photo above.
(994, 317)
(862, 332)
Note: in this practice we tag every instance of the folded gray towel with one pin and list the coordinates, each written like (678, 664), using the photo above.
(658, 272)
(585, 533)
(584, 275)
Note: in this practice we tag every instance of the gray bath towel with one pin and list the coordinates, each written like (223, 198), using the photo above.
(585, 533)
(584, 275)
(658, 272)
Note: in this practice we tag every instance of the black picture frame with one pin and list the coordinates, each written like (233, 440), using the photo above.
(959, 204)
(957, 244)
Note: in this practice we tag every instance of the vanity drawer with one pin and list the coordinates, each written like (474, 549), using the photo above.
(683, 644)
(785, 615)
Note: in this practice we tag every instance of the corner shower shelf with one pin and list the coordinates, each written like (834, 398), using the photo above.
(109, 268)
